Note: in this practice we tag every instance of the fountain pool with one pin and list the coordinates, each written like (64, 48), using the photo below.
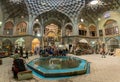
(62, 66)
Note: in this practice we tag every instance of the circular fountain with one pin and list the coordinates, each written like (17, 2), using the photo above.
(58, 66)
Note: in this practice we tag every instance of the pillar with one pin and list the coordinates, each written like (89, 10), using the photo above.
(30, 25)
(75, 26)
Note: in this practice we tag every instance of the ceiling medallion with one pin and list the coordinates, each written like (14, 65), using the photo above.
(95, 4)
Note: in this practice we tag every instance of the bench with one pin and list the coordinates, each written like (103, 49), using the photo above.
(25, 75)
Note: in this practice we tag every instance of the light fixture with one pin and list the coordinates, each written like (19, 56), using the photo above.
(7, 32)
(36, 20)
(0, 23)
(38, 35)
(99, 19)
(82, 20)
(93, 42)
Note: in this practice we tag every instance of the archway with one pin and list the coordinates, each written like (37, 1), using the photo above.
(68, 30)
(111, 27)
(112, 44)
(92, 30)
(52, 17)
(35, 46)
(20, 43)
(7, 46)
(52, 34)
(82, 30)
(36, 29)
(21, 28)
(8, 28)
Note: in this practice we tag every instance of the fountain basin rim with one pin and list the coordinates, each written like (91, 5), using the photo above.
(81, 69)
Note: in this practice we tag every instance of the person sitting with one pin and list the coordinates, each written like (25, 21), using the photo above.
(18, 66)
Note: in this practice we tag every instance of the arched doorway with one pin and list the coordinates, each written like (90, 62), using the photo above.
(92, 30)
(20, 43)
(52, 34)
(21, 28)
(112, 44)
(36, 29)
(8, 28)
(35, 46)
(82, 30)
(68, 30)
(7, 46)
(111, 27)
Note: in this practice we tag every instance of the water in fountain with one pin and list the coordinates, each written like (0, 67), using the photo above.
(53, 63)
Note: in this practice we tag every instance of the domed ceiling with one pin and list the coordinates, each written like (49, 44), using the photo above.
(71, 8)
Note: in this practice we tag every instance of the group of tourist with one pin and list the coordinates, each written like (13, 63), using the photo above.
(52, 51)
(42, 51)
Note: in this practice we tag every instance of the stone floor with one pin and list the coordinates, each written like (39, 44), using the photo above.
(101, 70)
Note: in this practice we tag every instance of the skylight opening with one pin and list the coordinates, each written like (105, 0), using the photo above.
(94, 2)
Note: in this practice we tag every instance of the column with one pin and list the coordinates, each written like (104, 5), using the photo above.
(30, 25)
(63, 31)
(42, 28)
(42, 32)
(75, 26)
(63, 28)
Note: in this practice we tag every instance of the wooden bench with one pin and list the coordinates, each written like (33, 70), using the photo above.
(25, 75)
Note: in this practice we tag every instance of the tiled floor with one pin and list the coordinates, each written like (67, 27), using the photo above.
(101, 70)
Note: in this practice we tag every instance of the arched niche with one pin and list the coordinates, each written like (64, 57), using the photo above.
(21, 28)
(35, 45)
(112, 44)
(82, 29)
(8, 28)
(52, 34)
(92, 30)
(20, 43)
(68, 30)
(111, 27)
(36, 29)
(7, 46)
